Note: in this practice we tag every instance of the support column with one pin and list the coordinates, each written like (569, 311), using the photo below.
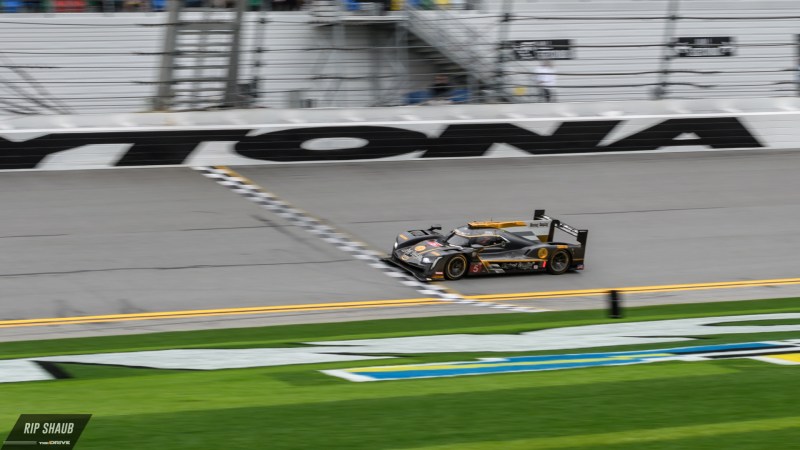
(797, 67)
(502, 51)
(163, 100)
(232, 97)
(661, 91)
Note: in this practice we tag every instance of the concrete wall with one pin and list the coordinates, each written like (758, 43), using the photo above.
(399, 133)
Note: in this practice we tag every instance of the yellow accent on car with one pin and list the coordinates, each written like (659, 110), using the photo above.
(492, 261)
(488, 224)
(542, 253)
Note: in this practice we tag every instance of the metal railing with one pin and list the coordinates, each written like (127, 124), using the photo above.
(105, 63)
(479, 54)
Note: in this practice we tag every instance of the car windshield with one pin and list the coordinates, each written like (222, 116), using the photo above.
(458, 240)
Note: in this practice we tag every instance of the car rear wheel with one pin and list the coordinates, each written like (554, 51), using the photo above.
(559, 262)
(455, 267)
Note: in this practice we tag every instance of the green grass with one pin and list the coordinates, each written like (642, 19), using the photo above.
(731, 404)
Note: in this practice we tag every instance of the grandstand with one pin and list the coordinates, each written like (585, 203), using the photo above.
(78, 57)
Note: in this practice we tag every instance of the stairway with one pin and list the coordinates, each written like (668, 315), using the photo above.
(456, 49)
(200, 60)
(437, 37)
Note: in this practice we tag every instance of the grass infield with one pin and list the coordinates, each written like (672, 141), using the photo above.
(730, 404)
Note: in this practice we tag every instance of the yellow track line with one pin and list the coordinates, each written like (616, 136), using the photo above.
(217, 312)
(381, 303)
(639, 289)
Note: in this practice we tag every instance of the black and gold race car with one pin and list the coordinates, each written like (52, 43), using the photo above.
(480, 248)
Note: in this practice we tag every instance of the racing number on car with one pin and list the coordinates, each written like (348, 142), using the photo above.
(542, 253)
(475, 268)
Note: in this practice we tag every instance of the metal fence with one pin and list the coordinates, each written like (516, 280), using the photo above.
(360, 54)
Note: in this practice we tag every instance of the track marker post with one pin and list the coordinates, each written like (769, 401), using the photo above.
(614, 305)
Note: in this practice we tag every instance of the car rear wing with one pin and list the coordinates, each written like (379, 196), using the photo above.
(580, 235)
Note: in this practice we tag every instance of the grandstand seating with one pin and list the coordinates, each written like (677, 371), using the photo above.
(616, 58)
(12, 6)
(61, 6)
(458, 95)
(417, 97)
(619, 46)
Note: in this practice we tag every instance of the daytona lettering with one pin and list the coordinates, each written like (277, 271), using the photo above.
(142, 148)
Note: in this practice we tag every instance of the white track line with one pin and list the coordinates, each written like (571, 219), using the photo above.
(340, 240)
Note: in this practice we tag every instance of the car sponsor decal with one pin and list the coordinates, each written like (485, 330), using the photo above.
(434, 243)
(542, 254)
(781, 352)
(419, 248)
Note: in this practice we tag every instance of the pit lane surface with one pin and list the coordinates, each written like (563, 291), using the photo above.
(141, 240)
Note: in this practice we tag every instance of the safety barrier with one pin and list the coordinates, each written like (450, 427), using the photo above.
(464, 131)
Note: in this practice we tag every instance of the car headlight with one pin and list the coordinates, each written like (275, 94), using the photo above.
(395, 245)
(426, 260)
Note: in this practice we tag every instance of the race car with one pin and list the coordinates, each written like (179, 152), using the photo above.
(489, 247)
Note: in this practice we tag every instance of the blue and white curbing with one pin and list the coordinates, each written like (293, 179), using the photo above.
(340, 240)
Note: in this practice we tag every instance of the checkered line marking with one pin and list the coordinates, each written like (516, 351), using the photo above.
(246, 188)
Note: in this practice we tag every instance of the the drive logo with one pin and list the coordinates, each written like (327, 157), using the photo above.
(53, 430)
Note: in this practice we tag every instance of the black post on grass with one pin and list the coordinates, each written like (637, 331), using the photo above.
(614, 305)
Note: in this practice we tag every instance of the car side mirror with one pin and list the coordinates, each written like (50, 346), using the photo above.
(435, 227)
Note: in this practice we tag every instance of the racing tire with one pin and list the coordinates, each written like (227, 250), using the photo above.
(560, 262)
(456, 267)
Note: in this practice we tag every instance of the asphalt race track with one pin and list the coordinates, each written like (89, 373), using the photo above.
(133, 241)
